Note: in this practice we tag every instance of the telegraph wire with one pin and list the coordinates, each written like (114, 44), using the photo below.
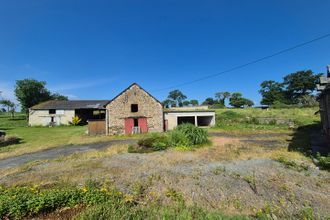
(246, 64)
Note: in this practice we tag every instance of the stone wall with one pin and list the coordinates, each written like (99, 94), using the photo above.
(120, 108)
(324, 100)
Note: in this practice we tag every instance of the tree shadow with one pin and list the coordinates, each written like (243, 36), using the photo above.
(309, 139)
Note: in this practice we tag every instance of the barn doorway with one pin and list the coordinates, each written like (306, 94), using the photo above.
(136, 125)
(204, 120)
(186, 119)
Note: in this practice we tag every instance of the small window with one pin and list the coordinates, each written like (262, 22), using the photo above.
(134, 108)
(52, 111)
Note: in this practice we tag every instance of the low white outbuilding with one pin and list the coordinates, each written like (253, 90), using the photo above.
(200, 118)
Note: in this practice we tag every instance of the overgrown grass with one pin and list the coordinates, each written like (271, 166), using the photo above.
(271, 119)
(100, 202)
(185, 136)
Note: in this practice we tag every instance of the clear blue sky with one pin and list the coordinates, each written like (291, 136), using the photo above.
(95, 49)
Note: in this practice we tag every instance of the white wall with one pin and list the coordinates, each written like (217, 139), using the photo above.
(172, 117)
(43, 118)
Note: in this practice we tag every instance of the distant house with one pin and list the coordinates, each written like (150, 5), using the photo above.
(132, 111)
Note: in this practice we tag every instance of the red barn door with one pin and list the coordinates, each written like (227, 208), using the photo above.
(129, 123)
(143, 125)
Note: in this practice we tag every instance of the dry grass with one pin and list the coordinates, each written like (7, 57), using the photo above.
(231, 175)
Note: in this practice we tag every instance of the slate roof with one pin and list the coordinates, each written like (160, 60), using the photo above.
(82, 104)
(72, 104)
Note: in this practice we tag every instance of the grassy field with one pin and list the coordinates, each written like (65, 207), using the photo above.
(253, 170)
(41, 138)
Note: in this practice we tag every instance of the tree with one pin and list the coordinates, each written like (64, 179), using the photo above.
(300, 83)
(236, 100)
(222, 96)
(271, 91)
(30, 92)
(308, 101)
(57, 96)
(11, 106)
(194, 102)
(177, 96)
(168, 103)
(186, 103)
(209, 101)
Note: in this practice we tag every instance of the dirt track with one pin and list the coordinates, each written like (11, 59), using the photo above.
(58, 152)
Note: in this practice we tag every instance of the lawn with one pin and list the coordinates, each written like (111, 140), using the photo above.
(41, 138)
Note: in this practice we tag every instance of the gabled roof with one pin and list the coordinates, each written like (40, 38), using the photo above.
(135, 84)
(82, 104)
(72, 104)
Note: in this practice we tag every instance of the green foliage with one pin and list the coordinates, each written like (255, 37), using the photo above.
(177, 97)
(292, 164)
(184, 136)
(9, 105)
(194, 102)
(323, 161)
(222, 96)
(296, 88)
(75, 120)
(30, 92)
(154, 141)
(102, 202)
(209, 101)
(195, 135)
(236, 100)
(178, 139)
(271, 91)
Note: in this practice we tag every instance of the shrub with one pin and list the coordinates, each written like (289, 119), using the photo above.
(323, 162)
(9, 141)
(178, 139)
(195, 135)
(75, 120)
(154, 141)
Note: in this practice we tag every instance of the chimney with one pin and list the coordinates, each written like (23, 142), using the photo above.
(328, 71)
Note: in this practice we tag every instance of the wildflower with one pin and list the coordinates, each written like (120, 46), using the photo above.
(128, 198)
(84, 189)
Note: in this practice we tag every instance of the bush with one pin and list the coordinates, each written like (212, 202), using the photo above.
(9, 141)
(195, 135)
(185, 135)
(323, 162)
(154, 141)
(178, 139)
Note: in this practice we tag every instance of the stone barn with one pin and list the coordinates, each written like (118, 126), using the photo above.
(134, 111)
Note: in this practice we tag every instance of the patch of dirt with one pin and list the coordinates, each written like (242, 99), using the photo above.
(63, 214)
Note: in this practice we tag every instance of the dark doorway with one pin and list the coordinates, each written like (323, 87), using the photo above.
(186, 119)
(136, 122)
(204, 120)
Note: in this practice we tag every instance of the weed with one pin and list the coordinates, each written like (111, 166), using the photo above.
(292, 164)
(218, 170)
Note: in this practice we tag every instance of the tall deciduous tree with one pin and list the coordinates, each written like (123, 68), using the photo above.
(271, 91)
(238, 101)
(177, 96)
(30, 92)
(209, 101)
(194, 102)
(11, 106)
(300, 83)
(222, 96)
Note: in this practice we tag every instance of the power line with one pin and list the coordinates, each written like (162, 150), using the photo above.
(246, 64)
